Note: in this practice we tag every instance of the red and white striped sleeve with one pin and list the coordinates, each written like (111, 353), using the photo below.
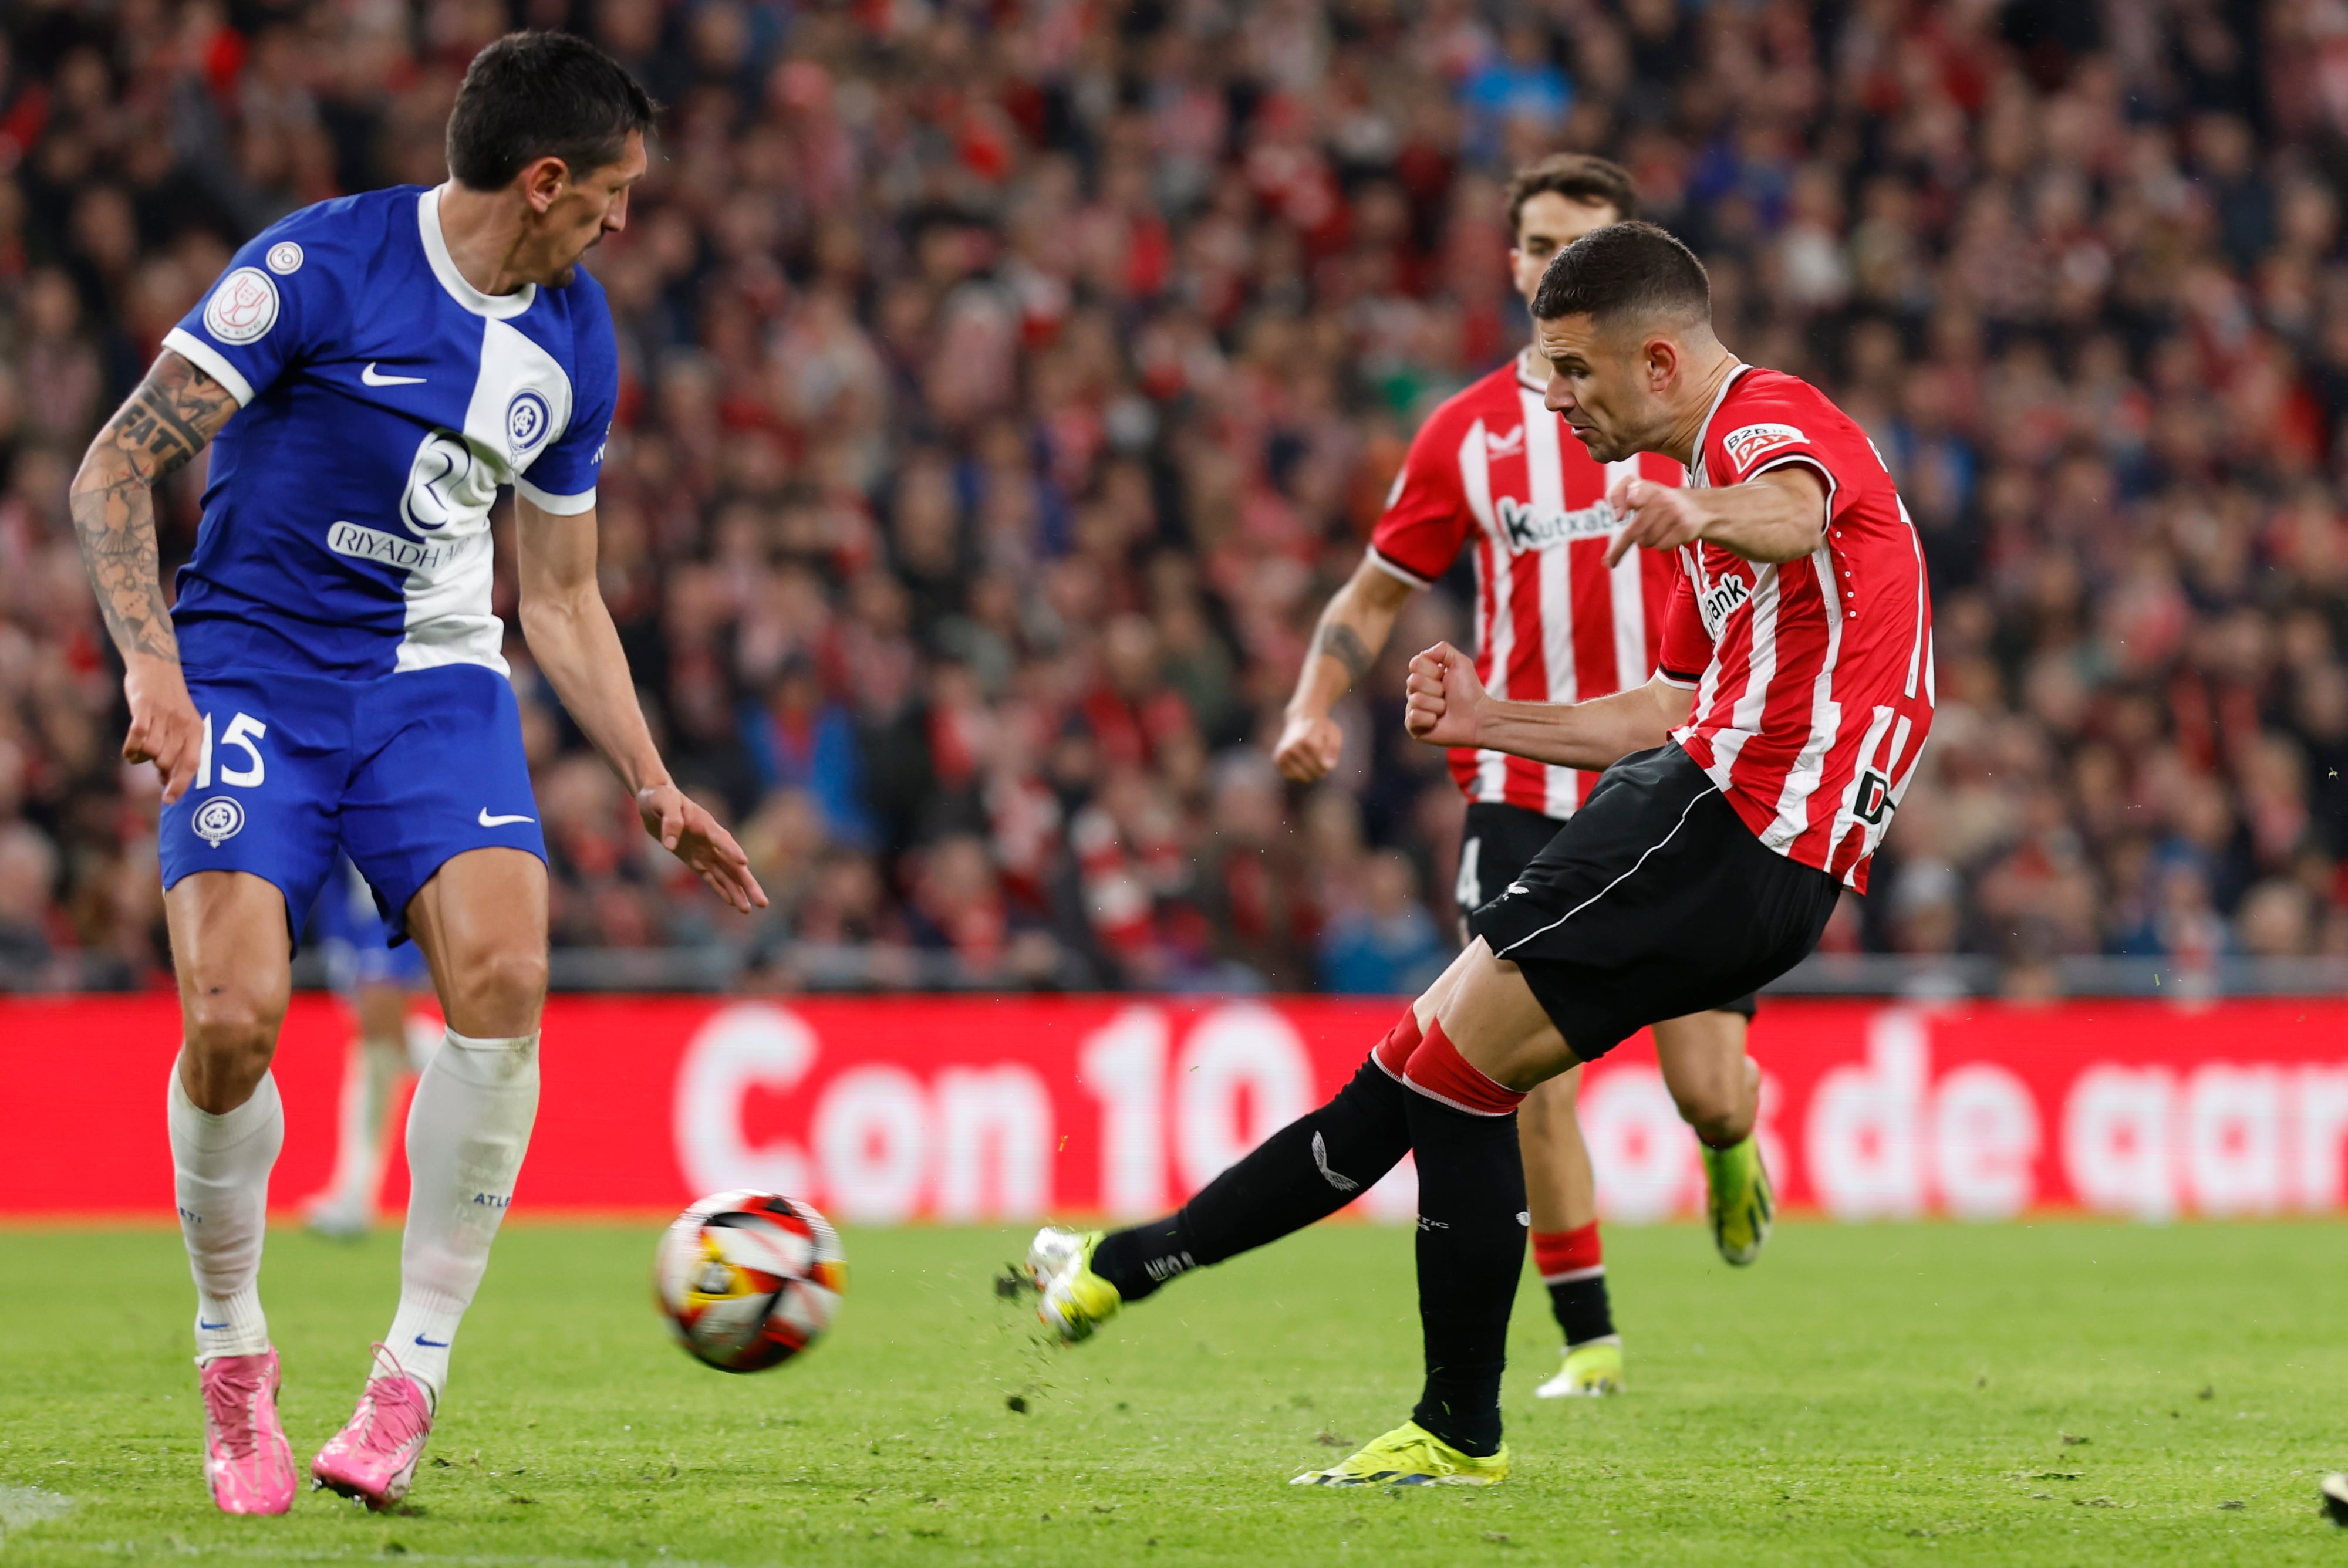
(1426, 521)
(1686, 649)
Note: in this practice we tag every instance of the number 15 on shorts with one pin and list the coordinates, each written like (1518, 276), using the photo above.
(239, 735)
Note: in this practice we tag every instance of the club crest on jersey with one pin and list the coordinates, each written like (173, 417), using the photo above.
(1719, 602)
(527, 419)
(1526, 526)
(243, 308)
(1755, 441)
(217, 819)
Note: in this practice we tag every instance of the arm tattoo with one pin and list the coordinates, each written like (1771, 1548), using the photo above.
(167, 421)
(1340, 642)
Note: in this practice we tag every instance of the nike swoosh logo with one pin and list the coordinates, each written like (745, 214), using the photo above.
(488, 821)
(374, 377)
(432, 1344)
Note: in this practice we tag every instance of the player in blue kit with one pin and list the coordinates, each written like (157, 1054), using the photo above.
(374, 369)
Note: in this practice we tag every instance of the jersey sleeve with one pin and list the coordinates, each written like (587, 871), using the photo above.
(1426, 522)
(280, 296)
(1685, 648)
(562, 480)
(1772, 420)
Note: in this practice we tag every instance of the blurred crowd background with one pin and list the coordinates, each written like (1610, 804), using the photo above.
(1007, 384)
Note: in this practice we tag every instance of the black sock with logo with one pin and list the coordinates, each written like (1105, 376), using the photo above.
(1305, 1172)
(1472, 1249)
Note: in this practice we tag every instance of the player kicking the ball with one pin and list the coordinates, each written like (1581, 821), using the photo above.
(374, 368)
(1746, 786)
(1492, 474)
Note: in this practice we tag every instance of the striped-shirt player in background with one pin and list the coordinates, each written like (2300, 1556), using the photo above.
(1745, 788)
(1496, 475)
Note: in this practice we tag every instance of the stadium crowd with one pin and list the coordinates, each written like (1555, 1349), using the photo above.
(1007, 385)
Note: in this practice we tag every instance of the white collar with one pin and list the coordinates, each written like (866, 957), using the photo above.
(444, 267)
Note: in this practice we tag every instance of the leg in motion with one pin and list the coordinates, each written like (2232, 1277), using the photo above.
(1561, 1196)
(1488, 1043)
(481, 921)
(1717, 1087)
(1305, 1172)
(230, 947)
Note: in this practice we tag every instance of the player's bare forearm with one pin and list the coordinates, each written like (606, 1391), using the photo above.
(1779, 516)
(571, 636)
(174, 412)
(1354, 629)
(1593, 736)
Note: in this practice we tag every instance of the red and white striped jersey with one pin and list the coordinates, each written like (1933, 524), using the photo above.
(1816, 687)
(1494, 468)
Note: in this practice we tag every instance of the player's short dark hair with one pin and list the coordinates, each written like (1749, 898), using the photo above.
(1577, 177)
(1632, 271)
(542, 95)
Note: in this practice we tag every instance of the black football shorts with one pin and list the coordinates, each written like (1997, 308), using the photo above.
(1496, 844)
(1653, 901)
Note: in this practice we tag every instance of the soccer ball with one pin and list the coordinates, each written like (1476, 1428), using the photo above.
(747, 1280)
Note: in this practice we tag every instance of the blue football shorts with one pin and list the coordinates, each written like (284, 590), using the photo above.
(402, 773)
(348, 931)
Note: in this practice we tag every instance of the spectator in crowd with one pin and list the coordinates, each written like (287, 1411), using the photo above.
(1006, 386)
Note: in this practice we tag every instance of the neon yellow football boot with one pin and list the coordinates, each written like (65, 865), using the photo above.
(1743, 1203)
(1071, 1299)
(1592, 1370)
(1410, 1455)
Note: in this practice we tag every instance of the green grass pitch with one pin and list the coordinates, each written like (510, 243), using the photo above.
(2064, 1393)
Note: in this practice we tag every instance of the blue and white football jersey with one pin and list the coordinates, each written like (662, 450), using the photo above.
(384, 400)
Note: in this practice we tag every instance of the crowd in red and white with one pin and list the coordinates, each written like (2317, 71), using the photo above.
(1008, 387)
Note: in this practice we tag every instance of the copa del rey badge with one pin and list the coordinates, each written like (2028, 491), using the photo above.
(1755, 441)
(243, 307)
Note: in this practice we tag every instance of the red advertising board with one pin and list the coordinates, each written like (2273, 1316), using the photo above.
(961, 1109)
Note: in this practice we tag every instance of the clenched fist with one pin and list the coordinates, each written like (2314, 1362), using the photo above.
(1445, 698)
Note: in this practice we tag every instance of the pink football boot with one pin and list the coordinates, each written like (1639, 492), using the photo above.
(247, 1460)
(374, 1458)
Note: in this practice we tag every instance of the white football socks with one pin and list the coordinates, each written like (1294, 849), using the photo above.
(467, 1128)
(220, 1167)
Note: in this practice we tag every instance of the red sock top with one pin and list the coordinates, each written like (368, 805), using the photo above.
(1438, 1071)
(1575, 1251)
(1393, 1053)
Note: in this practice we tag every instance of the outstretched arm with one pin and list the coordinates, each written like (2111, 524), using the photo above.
(571, 634)
(1359, 619)
(1449, 707)
(171, 416)
(1779, 516)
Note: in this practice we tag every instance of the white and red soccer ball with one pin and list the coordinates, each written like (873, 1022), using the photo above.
(747, 1280)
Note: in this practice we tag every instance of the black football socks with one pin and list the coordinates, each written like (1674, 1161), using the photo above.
(1471, 1250)
(1305, 1172)
(1582, 1310)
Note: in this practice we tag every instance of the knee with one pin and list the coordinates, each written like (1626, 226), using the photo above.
(1549, 1103)
(227, 1022)
(229, 1036)
(499, 990)
(1719, 1106)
